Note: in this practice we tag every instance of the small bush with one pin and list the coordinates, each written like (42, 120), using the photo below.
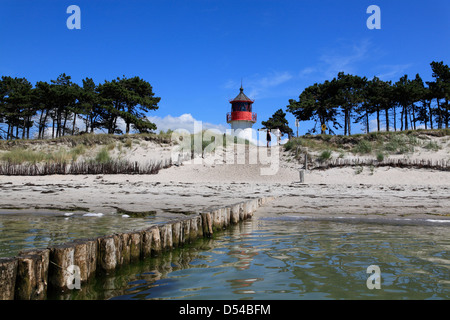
(292, 144)
(399, 144)
(363, 147)
(432, 146)
(128, 143)
(325, 155)
(358, 170)
(103, 156)
(380, 156)
(77, 151)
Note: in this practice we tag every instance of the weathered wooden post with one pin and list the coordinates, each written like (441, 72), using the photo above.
(185, 231)
(85, 257)
(8, 273)
(176, 233)
(227, 215)
(32, 276)
(166, 236)
(124, 249)
(195, 227)
(217, 222)
(207, 224)
(107, 255)
(27, 277)
(135, 246)
(241, 211)
(156, 240)
(61, 258)
(234, 214)
(146, 243)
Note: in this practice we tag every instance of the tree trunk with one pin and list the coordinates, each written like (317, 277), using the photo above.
(345, 122)
(348, 124)
(446, 113)
(53, 128)
(439, 114)
(395, 119)
(73, 124)
(431, 115)
(406, 117)
(387, 119)
(378, 119)
(63, 133)
(367, 122)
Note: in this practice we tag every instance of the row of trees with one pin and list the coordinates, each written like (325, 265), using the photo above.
(350, 97)
(59, 104)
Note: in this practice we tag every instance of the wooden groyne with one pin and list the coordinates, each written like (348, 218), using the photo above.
(441, 165)
(30, 274)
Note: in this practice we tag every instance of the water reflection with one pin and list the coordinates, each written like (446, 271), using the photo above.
(21, 231)
(285, 260)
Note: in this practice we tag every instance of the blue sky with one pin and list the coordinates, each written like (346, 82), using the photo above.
(195, 52)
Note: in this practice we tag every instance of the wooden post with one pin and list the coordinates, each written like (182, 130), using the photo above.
(217, 222)
(226, 216)
(27, 277)
(107, 256)
(156, 240)
(85, 257)
(166, 236)
(124, 249)
(185, 231)
(135, 246)
(234, 214)
(61, 258)
(8, 273)
(207, 224)
(176, 234)
(302, 176)
(41, 265)
(146, 243)
(196, 229)
(241, 211)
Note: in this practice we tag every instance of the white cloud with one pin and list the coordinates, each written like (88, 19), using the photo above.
(259, 86)
(343, 58)
(392, 72)
(185, 121)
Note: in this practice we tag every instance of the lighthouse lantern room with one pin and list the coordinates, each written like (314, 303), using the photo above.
(241, 115)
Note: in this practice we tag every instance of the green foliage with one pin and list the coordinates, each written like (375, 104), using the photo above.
(356, 99)
(363, 147)
(19, 156)
(278, 121)
(128, 143)
(103, 156)
(325, 155)
(59, 103)
(432, 146)
(380, 156)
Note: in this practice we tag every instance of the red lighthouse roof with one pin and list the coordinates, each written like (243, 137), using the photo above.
(241, 97)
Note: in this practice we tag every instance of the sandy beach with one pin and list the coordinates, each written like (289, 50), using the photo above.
(385, 192)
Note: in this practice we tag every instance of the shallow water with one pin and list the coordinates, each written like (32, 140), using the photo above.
(300, 259)
(19, 231)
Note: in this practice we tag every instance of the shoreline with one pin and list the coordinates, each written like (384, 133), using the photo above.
(398, 193)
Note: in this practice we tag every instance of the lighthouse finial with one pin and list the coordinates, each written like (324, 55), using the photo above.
(241, 89)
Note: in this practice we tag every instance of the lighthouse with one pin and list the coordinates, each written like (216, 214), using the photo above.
(241, 115)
